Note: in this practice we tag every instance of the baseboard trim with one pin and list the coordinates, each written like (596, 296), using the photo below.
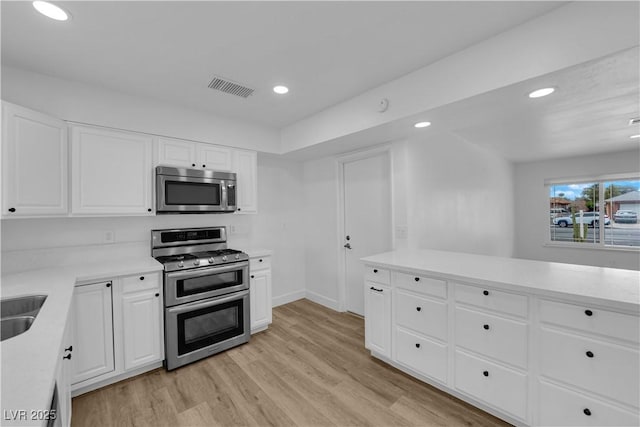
(322, 300)
(287, 298)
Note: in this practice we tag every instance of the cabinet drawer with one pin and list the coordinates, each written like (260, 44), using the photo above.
(377, 274)
(494, 336)
(261, 263)
(504, 302)
(498, 386)
(421, 284)
(596, 366)
(422, 315)
(592, 320)
(140, 282)
(559, 406)
(424, 356)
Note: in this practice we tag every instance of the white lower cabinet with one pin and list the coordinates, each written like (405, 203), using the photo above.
(143, 333)
(559, 406)
(521, 356)
(377, 318)
(501, 387)
(93, 331)
(63, 376)
(260, 292)
(491, 335)
(422, 355)
(118, 329)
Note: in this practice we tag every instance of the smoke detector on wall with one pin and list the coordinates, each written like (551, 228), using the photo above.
(383, 105)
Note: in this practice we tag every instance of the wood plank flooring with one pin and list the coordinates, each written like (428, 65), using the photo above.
(310, 368)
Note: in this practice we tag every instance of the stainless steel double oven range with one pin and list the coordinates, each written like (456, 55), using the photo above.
(206, 293)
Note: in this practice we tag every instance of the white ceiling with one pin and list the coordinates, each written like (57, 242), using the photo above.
(588, 113)
(326, 52)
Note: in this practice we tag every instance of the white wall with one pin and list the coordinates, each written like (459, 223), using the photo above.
(532, 204)
(452, 195)
(569, 35)
(76, 101)
(459, 196)
(278, 226)
(321, 231)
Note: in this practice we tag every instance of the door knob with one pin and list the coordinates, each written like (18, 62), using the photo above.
(348, 246)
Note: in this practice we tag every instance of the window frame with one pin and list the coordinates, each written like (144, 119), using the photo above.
(597, 179)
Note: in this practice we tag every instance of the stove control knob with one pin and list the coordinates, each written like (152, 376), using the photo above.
(224, 258)
(196, 262)
(211, 260)
(238, 256)
(181, 264)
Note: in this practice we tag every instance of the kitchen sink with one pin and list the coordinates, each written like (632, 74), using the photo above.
(18, 314)
(21, 306)
(12, 326)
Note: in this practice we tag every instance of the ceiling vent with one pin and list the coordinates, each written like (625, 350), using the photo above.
(634, 121)
(231, 87)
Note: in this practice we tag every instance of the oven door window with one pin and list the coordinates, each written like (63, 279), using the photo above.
(210, 325)
(211, 282)
(192, 193)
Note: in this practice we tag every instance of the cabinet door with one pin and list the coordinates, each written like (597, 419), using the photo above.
(142, 322)
(174, 152)
(93, 331)
(63, 375)
(245, 165)
(111, 172)
(213, 157)
(34, 152)
(260, 299)
(377, 318)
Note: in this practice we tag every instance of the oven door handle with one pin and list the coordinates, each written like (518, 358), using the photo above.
(207, 271)
(196, 305)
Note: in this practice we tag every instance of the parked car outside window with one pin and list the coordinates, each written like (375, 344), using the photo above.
(592, 219)
(625, 216)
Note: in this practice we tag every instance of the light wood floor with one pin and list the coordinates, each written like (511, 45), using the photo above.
(309, 368)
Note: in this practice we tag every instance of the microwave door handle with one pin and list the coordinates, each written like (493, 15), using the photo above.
(184, 308)
(223, 185)
(207, 271)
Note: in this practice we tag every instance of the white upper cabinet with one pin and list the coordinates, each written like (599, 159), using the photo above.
(245, 165)
(213, 157)
(111, 172)
(34, 153)
(175, 152)
(189, 154)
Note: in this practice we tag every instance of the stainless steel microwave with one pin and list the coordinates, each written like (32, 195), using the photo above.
(182, 190)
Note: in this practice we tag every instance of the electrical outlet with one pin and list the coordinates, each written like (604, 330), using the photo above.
(402, 232)
(232, 229)
(109, 236)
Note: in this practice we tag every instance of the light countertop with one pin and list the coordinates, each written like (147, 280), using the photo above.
(611, 287)
(29, 360)
(257, 252)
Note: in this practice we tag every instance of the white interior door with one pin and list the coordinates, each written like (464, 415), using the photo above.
(367, 220)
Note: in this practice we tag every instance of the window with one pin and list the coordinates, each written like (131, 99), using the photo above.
(600, 212)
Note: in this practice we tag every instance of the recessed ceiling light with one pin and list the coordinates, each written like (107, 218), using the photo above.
(422, 124)
(51, 10)
(541, 92)
(280, 90)
(635, 136)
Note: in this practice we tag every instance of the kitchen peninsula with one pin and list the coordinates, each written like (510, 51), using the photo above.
(532, 342)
